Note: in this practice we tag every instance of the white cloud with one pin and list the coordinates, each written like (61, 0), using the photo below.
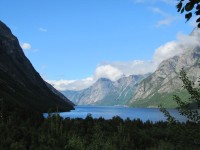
(115, 70)
(191, 41)
(165, 22)
(167, 18)
(192, 21)
(159, 11)
(102, 71)
(183, 43)
(42, 29)
(107, 71)
(112, 71)
(63, 85)
(132, 67)
(167, 50)
(26, 46)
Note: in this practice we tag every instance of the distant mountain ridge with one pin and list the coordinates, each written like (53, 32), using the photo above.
(106, 92)
(20, 85)
(146, 91)
(160, 86)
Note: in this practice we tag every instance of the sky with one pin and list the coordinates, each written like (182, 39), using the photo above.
(73, 43)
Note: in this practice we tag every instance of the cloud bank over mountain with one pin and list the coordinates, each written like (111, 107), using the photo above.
(115, 70)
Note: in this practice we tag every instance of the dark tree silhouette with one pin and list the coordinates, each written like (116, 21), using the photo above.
(189, 7)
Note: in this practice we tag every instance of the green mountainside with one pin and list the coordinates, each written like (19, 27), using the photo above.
(160, 86)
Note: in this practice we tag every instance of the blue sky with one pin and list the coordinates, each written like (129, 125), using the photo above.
(72, 43)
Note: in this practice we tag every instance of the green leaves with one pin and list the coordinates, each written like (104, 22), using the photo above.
(188, 16)
(198, 25)
(198, 20)
(182, 10)
(189, 7)
(179, 6)
(170, 118)
(186, 108)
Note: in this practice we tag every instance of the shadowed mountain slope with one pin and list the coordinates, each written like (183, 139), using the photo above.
(20, 84)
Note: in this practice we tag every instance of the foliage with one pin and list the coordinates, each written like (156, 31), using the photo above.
(190, 7)
(170, 118)
(188, 108)
(26, 130)
(164, 99)
(56, 133)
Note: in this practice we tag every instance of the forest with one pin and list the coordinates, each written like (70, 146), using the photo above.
(25, 129)
(34, 132)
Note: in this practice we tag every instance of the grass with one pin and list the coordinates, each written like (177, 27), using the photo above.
(165, 99)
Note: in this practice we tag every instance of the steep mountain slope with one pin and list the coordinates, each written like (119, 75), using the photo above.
(20, 85)
(164, 82)
(106, 92)
(59, 94)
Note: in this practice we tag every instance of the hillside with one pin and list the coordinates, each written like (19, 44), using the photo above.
(160, 86)
(145, 91)
(21, 86)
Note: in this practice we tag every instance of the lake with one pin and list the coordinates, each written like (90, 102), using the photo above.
(107, 112)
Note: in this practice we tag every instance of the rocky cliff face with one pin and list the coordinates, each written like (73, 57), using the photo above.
(165, 80)
(106, 92)
(157, 88)
(20, 84)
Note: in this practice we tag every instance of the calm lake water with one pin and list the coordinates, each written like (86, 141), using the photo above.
(107, 112)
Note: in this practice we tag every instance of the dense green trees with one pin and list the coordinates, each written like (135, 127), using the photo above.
(21, 129)
(56, 133)
(25, 130)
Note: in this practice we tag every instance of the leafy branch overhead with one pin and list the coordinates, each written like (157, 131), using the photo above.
(190, 7)
(188, 108)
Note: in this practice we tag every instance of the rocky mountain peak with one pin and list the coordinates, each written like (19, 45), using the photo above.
(9, 40)
(4, 30)
(156, 88)
(104, 80)
(106, 92)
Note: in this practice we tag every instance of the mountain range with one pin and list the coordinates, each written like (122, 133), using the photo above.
(106, 92)
(160, 86)
(21, 86)
(144, 90)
